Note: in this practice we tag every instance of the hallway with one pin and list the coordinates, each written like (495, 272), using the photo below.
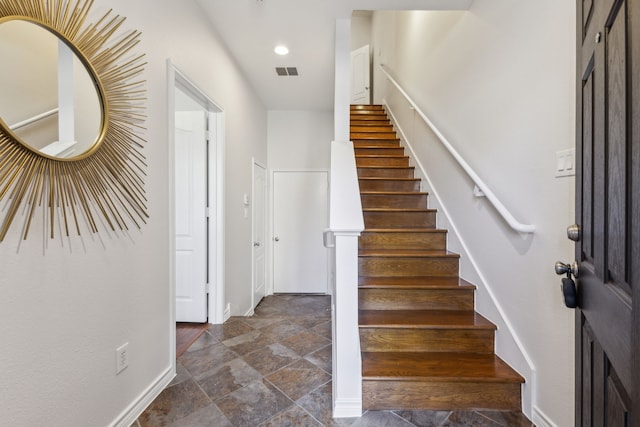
(274, 369)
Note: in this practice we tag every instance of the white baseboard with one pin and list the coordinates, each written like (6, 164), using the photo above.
(347, 408)
(137, 407)
(227, 313)
(540, 419)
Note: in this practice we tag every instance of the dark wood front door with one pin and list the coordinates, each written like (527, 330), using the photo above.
(608, 212)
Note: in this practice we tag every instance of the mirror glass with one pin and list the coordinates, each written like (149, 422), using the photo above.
(49, 99)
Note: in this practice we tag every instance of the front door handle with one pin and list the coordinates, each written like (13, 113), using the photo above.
(566, 269)
(568, 287)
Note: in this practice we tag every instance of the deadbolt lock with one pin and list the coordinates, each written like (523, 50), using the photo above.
(574, 232)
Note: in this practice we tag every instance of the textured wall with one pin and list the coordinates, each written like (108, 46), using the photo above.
(67, 304)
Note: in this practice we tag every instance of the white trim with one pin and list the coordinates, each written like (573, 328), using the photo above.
(227, 313)
(265, 208)
(540, 419)
(137, 407)
(452, 228)
(216, 297)
(347, 408)
(171, 102)
(216, 232)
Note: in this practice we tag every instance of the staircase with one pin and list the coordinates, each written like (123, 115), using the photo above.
(423, 345)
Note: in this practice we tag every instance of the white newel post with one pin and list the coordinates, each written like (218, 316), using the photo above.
(347, 366)
(346, 223)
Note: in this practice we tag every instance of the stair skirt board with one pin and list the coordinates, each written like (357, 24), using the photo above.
(423, 345)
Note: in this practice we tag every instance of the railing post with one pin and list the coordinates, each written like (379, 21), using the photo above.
(347, 366)
(345, 223)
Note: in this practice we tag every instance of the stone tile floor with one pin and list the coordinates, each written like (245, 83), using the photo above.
(274, 369)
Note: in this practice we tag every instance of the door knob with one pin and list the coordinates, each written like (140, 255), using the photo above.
(566, 269)
(277, 239)
(568, 287)
(256, 244)
(574, 232)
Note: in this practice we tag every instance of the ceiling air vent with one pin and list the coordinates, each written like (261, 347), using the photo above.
(286, 71)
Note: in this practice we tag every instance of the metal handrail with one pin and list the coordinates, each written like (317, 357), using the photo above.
(33, 119)
(502, 210)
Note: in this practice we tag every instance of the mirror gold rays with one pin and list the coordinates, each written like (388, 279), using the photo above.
(71, 118)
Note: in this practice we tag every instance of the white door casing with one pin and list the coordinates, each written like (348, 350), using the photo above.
(361, 76)
(259, 232)
(300, 214)
(190, 221)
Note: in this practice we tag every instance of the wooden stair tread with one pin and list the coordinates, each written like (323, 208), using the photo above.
(414, 282)
(366, 145)
(405, 230)
(398, 210)
(392, 193)
(420, 319)
(381, 156)
(369, 140)
(386, 167)
(406, 253)
(391, 178)
(437, 366)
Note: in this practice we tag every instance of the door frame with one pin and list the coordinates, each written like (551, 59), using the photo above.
(265, 202)
(215, 172)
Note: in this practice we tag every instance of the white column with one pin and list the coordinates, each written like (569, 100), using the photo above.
(66, 114)
(347, 365)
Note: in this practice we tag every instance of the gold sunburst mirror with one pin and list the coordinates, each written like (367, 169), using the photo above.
(71, 118)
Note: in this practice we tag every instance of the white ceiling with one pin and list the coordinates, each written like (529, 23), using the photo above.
(252, 28)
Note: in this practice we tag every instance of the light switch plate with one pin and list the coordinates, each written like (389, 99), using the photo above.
(566, 162)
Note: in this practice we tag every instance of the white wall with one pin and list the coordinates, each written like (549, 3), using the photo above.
(499, 83)
(360, 29)
(64, 310)
(297, 140)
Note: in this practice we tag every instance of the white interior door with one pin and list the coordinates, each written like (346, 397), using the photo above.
(360, 76)
(190, 211)
(259, 233)
(300, 214)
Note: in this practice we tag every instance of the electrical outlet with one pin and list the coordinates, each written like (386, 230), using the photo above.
(122, 357)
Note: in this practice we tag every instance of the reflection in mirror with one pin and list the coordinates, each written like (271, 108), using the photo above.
(49, 99)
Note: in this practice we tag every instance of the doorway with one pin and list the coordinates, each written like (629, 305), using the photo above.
(259, 264)
(191, 222)
(196, 154)
(361, 75)
(300, 216)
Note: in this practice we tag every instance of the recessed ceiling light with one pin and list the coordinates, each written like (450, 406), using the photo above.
(281, 50)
